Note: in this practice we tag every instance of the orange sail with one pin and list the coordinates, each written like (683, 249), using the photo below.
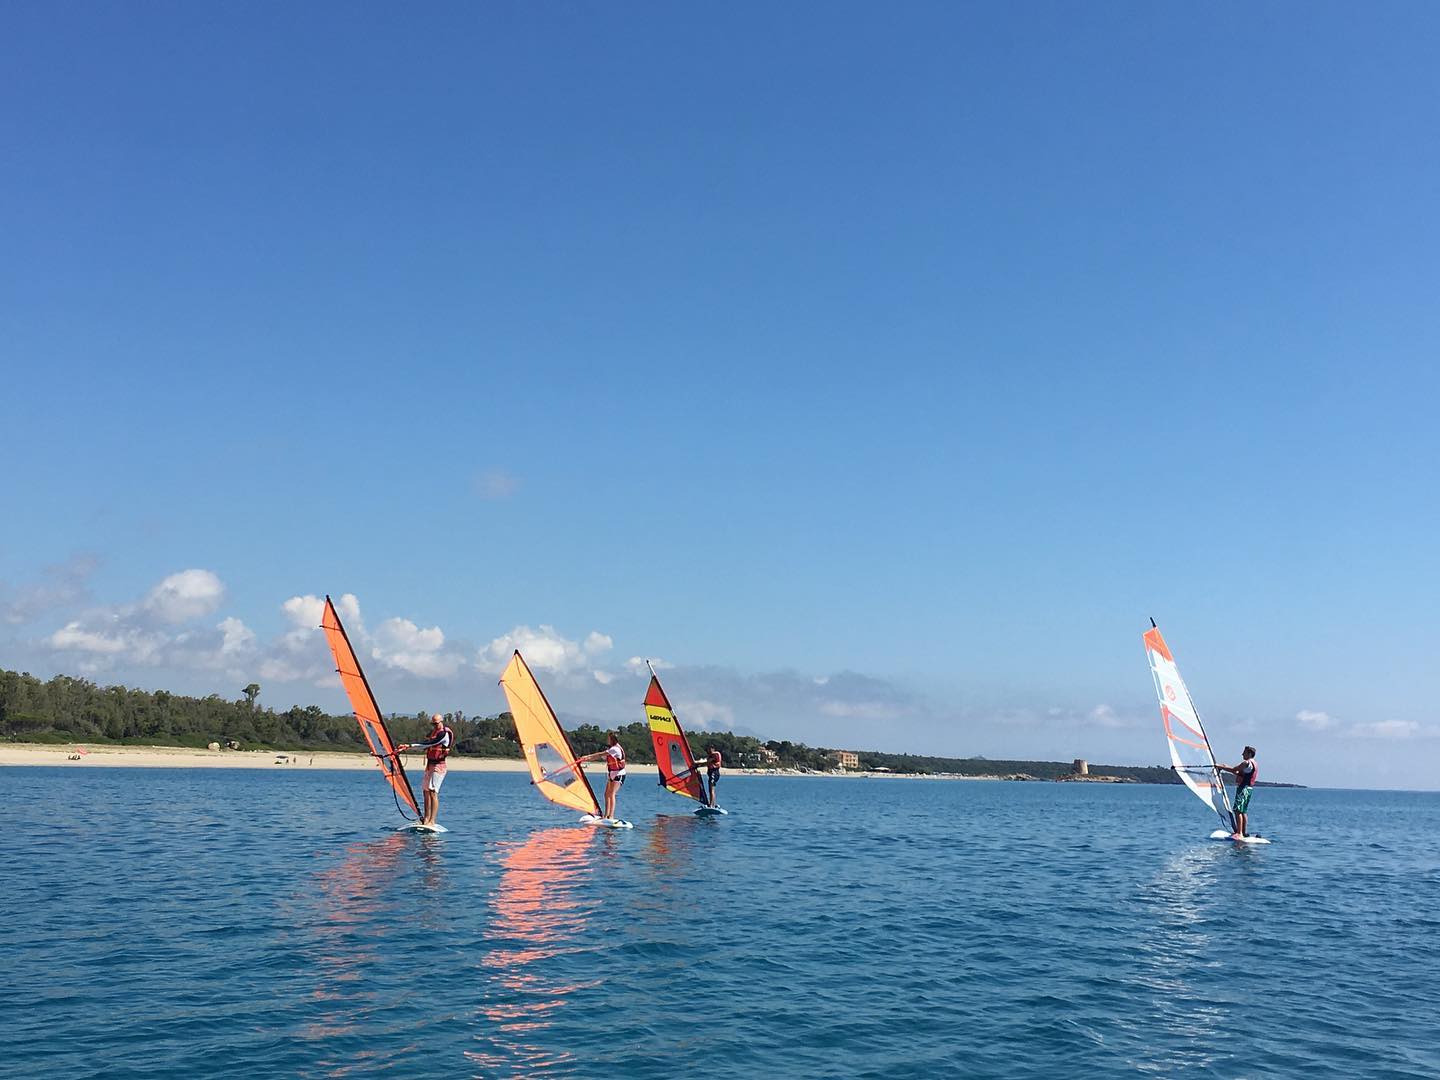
(367, 711)
(672, 749)
(553, 768)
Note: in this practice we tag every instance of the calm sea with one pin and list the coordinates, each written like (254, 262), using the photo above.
(195, 923)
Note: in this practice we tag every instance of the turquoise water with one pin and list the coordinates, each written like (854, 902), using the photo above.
(188, 923)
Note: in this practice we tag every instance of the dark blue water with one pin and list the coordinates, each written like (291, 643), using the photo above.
(192, 923)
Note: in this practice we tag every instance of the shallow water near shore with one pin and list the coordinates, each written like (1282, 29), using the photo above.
(171, 923)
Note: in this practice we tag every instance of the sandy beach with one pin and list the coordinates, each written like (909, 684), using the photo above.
(187, 758)
(183, 757)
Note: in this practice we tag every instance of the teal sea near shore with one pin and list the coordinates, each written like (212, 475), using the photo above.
(218, 923)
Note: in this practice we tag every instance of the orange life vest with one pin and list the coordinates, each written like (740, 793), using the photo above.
(436, 755)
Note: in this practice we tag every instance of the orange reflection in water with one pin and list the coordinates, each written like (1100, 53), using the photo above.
(540, 913)
(356, 903)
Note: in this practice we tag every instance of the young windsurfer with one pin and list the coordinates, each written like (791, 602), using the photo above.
(713, 761)
(437, 748)
(1246, 773)
(614, 756)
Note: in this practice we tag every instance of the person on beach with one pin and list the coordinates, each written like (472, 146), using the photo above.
(614, 756)
(1246, 773)
(437, 748)
(713, 761)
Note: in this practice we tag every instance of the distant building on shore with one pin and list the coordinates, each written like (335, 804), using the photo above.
(1082, 767)
(846, 759)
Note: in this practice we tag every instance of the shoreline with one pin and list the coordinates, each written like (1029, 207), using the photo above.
(185, 757)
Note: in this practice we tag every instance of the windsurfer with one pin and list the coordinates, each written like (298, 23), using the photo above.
(1246, 773)
(437, 748)
(614, 755)
(713, 761)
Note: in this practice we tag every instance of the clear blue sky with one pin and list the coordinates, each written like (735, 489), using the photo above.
(938, 344)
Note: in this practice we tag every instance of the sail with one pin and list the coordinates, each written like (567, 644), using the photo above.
(547, 750)
(367, 711)
(1190, 751)
(672, 751)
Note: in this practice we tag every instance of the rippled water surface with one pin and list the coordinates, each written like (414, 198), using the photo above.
(247, 923)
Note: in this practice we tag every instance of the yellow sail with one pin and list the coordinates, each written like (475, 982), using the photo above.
(547, 750)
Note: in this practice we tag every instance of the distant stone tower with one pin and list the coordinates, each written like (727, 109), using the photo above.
(1082, 767)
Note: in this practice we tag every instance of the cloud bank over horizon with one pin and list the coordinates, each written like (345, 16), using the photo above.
(178, 635)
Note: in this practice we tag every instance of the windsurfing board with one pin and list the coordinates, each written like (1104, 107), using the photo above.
(710, 811)
(416, 826)
(1221, 834)
(605, 822)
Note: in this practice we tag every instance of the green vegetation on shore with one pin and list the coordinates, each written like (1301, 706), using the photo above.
(67, 709)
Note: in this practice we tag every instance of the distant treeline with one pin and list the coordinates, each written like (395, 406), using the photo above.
(66, 709)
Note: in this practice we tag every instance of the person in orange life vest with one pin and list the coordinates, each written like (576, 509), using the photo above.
(1246, 773)
(713, 762)
(614, 756)
(437, 748)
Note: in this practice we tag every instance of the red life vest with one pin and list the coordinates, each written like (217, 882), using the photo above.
(1244, 780)
(436, 755)
(615, 764)
(715, 760)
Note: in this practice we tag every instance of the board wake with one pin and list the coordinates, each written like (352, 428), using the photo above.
(710, 811)
(605, 822)
(1221, 834)
(415, 826)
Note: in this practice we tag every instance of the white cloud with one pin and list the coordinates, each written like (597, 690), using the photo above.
(859, 710)
(399, 643)
(636, 665)
(544, 649)
(703, 715)
(237, 638)
(496, 483)
(1313, 720)
(305, 612)
(1105, 716)
(186, 595)
(1390, 729)
(74, 636)
(604, 678)
(64, 584)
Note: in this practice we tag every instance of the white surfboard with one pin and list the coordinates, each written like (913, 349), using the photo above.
(710, 811)
(605, 822)
(1221, 834)
(415, 826)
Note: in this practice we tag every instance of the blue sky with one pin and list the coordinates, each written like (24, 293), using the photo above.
(882, 369)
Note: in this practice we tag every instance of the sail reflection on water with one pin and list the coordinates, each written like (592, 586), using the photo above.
(540, 916)
(358, 901)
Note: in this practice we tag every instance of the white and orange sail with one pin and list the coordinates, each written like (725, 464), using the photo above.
(366, 709)
(672, 750)
(1190, 752)
(553, 768)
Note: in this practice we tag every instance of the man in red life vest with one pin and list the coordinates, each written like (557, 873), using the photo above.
(1246, 773)
(437, 748)
(713, 762)
(614, 756)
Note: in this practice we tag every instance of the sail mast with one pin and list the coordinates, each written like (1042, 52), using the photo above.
(1184, 730)
(668, 738)
(366, 709)
(1209, 750)
(536, 726)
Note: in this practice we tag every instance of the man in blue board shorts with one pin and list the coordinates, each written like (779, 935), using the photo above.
(713, 762)
(437, 748)
(1246, 773)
